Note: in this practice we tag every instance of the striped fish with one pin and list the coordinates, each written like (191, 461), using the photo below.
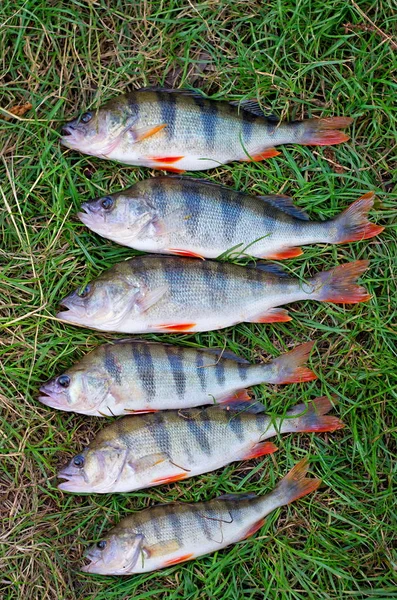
(173, 294)
(177, 130)
(138, 376)
(137, 452)
(193, 217)
(166, 535)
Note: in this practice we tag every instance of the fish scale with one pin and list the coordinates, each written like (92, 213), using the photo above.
(146, 450)
(167, 535)
(190, 216)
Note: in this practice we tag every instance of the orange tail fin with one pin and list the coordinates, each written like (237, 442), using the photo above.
(353, 225)
(288, 367)
(295, 485)
(339, 285)
(324, 132)
(313, 417)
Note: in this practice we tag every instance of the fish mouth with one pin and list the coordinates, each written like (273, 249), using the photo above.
(70, 136)
(52, 399)
(74, 482)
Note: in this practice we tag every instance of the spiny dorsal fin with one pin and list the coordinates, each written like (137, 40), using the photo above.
(243, 496)
(253, 107)
(155, 88)
(285, 204)
(227, 354)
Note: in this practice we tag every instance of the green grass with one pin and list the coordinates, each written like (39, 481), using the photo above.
(305, 58)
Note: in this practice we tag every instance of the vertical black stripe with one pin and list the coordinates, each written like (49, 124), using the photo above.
(209, 119)
(200, 369)
(243, 370)
(168, 112)
(176, 525)
(204, 524)
(236, 426)
(158, 429)
(248, 127)
(111, 365)
(231, 207)
(175, 358)
(220, 371)
(142, 360)
(200, 435)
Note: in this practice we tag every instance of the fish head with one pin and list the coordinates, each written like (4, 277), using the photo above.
(115, 554)
(104, 302)
(120, 216)
(99, 132)
(79, 390)
(97, 469)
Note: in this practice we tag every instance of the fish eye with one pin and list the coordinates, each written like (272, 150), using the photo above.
(101, 545)
(64, 381)
(85, 291)
(78, 461)
(107, 202)
(86, 117)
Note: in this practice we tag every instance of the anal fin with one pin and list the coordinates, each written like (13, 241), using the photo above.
(260, 450)
(237, 396)
(268, 153)
(286, 253)
(272, 315)
(255, 527)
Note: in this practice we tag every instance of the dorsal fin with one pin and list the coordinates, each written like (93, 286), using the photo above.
(206, 182)
(270, 268)
(156, 88)
(227, 354)
(250, 406)
(285, 203)
(253, 107)
(243, 496)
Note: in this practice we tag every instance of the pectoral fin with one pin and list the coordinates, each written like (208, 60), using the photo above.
(162, 548)
(145, 132)
(148, 462)
(152, 297)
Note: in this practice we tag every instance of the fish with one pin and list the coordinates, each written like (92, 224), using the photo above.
(179, 130)
(168, 534)
(134, 376)
(137, 452)
(193, 217)
(167, 294)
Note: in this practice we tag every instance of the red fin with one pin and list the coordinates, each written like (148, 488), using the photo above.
(353, 225)
(323, 132)
(148, 132)
(170, 479)
(268, 153)
(185, 253)
(294, 485)
(181, 327)
(287, 253)
(273, 315)
(166, 159)
(288, 367)
(169, 169)
(254, 528)
(260, 450)
(314, 417)
(238, 396)
(339, 285)
(179, 559)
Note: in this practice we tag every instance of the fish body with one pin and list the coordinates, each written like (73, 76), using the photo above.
(137, 452)
(166, 294)
(139, 376)
(177, 130)
(169, 534)
(181, 215)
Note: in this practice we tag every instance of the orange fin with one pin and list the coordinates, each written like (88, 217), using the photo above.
(339, 284)
(169, 169)
(314, 418)
(181, 327)
(146, 132)
(255, 527)
(238, 396)
(353, 225)
(289, 367)
(166, 159)
(273, 315)
(295, 485)
(179, 559)
(170, 479)
(286, 253)
(324, 132)
(260, 450)
(268, 153)
(185, 253)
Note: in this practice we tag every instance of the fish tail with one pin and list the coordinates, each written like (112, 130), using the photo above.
(313, 417)
(325, 132)
(295, 485)
(352, 225)
(288, 368)
(339, 284)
